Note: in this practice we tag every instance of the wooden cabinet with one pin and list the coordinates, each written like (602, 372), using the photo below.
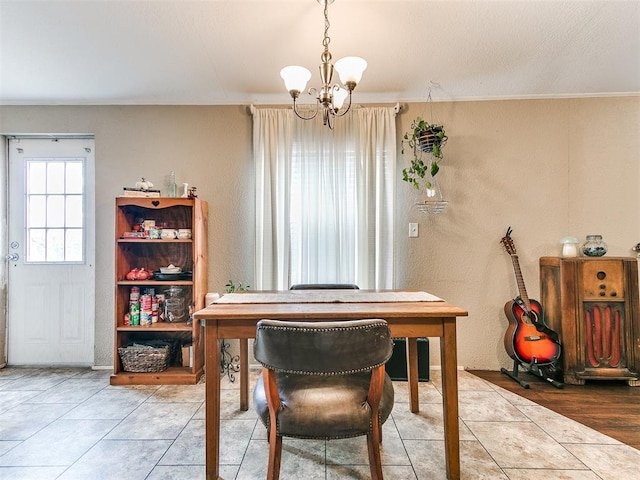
(188, 253)
(593, 305)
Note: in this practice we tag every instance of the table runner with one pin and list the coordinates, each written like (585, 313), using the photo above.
(327, 296)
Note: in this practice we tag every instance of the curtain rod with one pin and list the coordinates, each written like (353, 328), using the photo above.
(396, 108)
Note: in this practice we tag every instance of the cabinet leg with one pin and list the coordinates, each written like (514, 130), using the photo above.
(571, 380)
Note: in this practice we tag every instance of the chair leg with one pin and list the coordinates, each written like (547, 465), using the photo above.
(375, 460)
(275, 455)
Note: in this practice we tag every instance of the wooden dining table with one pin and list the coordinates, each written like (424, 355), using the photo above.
(410, 315)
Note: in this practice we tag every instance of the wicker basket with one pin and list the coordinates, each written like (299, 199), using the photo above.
(144, 358)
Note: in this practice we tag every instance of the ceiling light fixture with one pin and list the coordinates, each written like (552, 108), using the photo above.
(330, 97)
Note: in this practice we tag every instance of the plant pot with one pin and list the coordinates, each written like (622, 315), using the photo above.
(428, 139)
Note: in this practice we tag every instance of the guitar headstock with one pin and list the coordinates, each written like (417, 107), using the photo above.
(507, 243)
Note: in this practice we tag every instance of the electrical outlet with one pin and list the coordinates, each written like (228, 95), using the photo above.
(413, 229)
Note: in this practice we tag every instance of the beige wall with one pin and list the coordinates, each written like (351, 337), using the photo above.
(547, 168)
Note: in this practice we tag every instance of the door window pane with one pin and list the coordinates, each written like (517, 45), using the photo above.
(75, 180)
(74, 213)
(36, 244)
(55, 210)
(37, 211)
(37, 177)
(55, 245)
(73, 245)
(55, 177)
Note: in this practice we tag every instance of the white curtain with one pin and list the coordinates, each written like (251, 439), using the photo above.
(324, 199)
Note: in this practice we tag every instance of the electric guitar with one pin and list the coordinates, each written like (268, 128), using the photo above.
(528, 339)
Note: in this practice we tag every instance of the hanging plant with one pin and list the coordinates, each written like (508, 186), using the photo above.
(423, 138)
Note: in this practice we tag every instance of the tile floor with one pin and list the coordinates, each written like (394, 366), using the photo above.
(71, 424)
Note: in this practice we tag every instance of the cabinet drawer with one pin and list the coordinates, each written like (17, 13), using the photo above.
(603, 280)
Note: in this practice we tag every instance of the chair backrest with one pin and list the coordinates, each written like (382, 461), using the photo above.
(323, 348)
(324, 286)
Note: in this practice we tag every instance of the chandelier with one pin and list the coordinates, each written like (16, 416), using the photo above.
(330, 97)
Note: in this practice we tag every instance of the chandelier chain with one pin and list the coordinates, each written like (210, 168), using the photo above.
(326, 40)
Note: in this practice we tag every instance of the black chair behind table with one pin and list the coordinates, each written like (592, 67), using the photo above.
(397, 365)
(323, 380)
(324, 286)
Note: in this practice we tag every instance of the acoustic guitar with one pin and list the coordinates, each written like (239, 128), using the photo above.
(528, 339)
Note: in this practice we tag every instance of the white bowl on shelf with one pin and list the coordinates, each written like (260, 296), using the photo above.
(171, 269)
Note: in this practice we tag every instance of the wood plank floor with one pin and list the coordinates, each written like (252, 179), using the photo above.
(610, 407)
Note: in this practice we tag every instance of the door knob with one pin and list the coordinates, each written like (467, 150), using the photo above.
(13, 257)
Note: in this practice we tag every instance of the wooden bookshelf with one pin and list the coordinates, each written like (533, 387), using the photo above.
(151, 254)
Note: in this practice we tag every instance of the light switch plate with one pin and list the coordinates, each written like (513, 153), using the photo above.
(413, 230)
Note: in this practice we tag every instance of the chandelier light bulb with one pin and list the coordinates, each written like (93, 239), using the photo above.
(339, 96)
(295, 78)
(351, 69)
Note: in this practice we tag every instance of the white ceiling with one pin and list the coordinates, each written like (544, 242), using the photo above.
(223, 52)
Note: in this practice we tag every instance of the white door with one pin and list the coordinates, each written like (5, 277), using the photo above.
(51, 284)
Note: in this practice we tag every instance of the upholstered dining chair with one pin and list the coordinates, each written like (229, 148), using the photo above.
(323, 380)
(244, 344)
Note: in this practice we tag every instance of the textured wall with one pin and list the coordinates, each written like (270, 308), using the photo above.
(209, 147)
(548, 168)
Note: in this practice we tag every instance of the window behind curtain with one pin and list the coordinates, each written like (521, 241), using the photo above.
(323, 205)
(331, 220)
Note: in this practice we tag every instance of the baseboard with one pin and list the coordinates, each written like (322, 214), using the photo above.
(102, 367)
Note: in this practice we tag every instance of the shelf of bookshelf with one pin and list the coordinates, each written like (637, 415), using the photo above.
(171, 376)
(132, 283)
(157, 327)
